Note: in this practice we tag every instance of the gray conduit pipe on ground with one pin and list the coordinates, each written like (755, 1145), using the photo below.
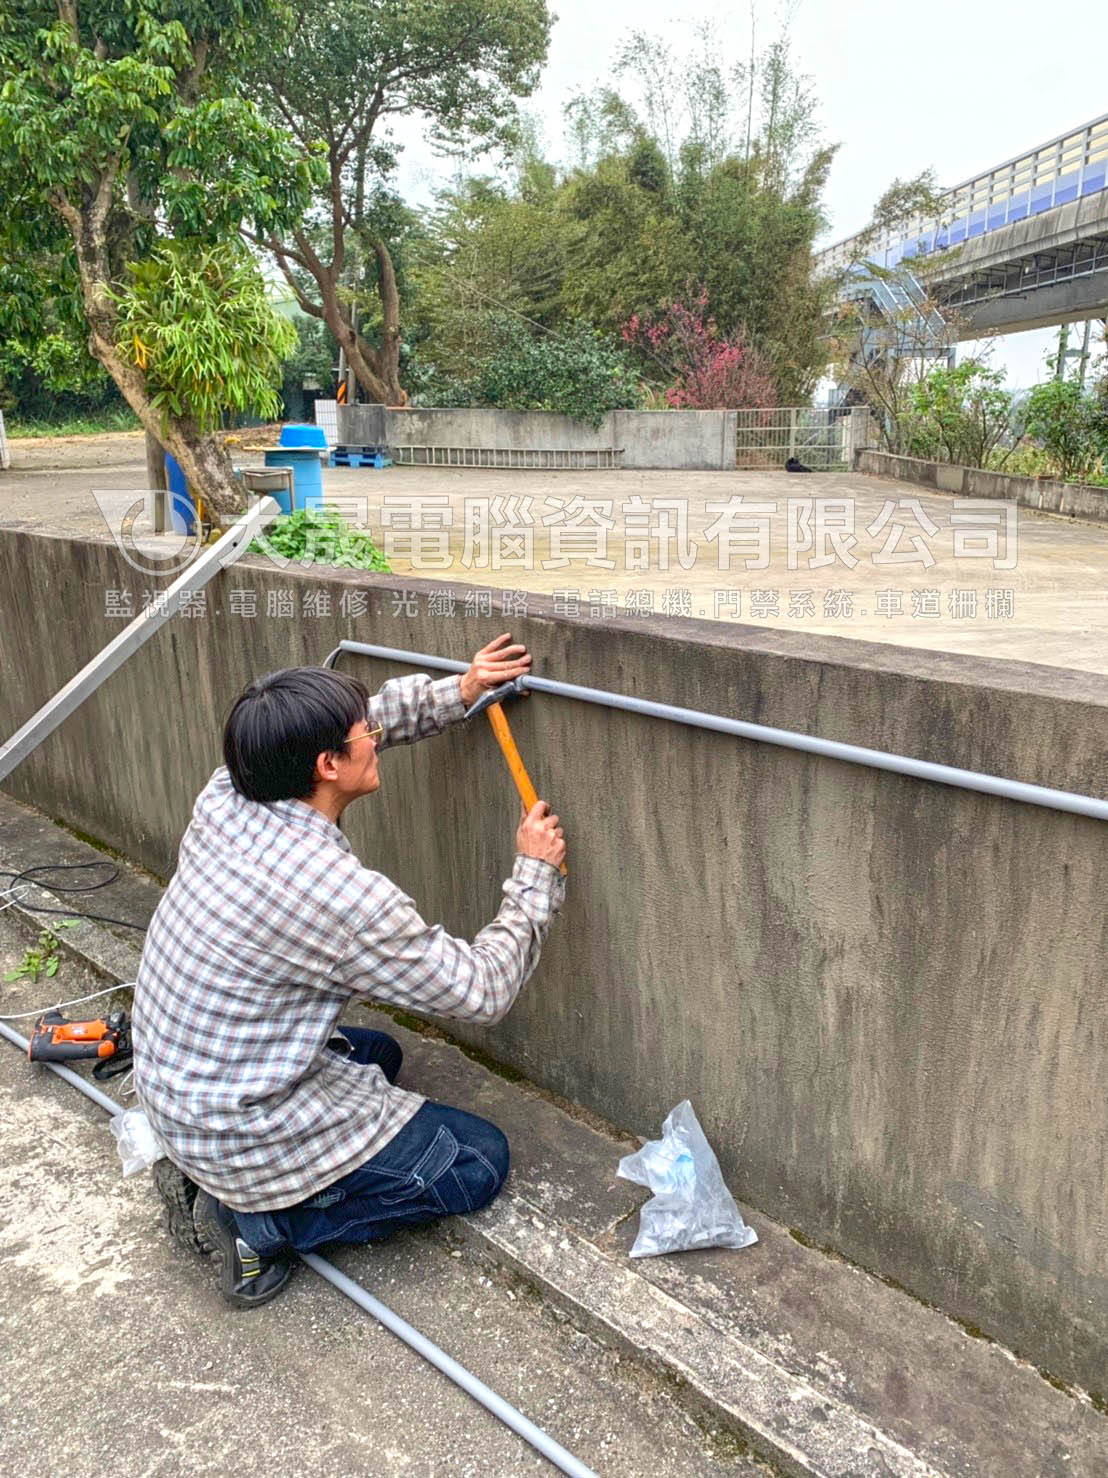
(553, 1451)
(851, 754)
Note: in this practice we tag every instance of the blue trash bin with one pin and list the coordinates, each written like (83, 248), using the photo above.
(300, 448)
(182, 510)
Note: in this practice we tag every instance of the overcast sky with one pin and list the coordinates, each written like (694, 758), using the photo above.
(954, 85)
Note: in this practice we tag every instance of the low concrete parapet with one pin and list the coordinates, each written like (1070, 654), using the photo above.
(1074, 499)
(884, 996)
(489, 437)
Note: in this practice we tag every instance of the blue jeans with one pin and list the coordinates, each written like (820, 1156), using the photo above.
(444, 1162)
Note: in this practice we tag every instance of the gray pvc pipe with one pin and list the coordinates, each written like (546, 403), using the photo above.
(450, 1367)
(851, 754)
(553, 1451)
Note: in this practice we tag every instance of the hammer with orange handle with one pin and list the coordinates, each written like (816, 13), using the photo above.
(491, 701)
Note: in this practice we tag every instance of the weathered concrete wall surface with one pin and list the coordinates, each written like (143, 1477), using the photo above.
(699, 440)
(885, 998)
(1077, 500)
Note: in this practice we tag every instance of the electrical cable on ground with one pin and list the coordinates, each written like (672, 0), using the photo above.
(27, 876)
(76, 1001)
(553, 1451)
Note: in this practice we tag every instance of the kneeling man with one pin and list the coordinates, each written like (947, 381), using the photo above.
(282, 1129)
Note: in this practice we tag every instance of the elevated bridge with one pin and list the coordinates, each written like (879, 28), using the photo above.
(1022, 246)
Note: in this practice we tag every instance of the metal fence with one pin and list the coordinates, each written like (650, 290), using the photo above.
(327, 416)
(823, 439)
(1061, 170)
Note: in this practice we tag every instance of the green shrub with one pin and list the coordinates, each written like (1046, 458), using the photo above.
(1023, 460)
(961, 414)
(320, 536)
(1071, 427)
(574, 371)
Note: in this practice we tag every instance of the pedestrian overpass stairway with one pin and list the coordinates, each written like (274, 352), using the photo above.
(903, 323)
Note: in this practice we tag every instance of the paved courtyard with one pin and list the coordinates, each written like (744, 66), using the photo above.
(834, 554)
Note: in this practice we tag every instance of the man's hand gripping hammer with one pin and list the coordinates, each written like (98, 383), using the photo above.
(491, 701)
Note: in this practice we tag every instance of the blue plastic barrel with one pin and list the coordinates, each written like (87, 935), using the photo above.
(182, 510)
(300, 448)
(307, 474)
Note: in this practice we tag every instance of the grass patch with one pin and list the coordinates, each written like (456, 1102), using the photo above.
(93, 423)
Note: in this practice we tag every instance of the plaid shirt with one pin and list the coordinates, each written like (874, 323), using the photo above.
(268, 929)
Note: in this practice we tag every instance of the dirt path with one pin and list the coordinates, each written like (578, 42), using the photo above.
(106, 449)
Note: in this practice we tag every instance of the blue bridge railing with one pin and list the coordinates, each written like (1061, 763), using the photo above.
(1066, 168)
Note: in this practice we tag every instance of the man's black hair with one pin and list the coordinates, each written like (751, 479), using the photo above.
(281, 723)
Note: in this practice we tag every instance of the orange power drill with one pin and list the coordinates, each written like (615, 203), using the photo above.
(55, 1039)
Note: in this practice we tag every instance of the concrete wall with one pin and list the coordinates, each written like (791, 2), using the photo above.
(696, 440)
(701, 441)
(1078, 500)
(885, 998)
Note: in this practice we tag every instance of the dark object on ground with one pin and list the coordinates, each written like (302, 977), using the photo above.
(246, 1279)
(178, 1194)
(794, 464)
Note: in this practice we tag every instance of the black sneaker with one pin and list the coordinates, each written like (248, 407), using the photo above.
(178, 1194)
(246, 1278)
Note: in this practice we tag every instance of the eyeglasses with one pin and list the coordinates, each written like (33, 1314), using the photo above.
(375, 733)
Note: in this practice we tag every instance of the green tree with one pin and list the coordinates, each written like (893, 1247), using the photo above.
(348, 67)
(1069, 423)
(488, 250)
(961, 414)
(129, 160)
(692, 172)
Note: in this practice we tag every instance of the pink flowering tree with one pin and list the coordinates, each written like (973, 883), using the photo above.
(708, 370)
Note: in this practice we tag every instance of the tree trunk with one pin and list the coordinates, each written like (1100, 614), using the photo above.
(155, 479)
(376, 377)
(376, 370)
(390, 322)
(202, 459)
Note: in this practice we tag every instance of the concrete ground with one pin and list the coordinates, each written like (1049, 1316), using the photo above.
(117, 1351)
(909, 583)
(115, 1343)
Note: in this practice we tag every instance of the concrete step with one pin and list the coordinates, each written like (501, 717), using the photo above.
(816, 1365)
(101, 1312)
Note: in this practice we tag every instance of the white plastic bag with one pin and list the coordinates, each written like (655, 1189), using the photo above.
(691, 1206)
(134, 1139)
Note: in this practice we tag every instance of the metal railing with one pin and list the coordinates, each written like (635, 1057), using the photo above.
(1083, 259)
(911, 325)
(1063, 169)
(835, 749)
(822, 438)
